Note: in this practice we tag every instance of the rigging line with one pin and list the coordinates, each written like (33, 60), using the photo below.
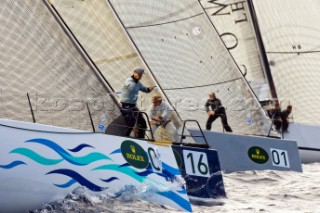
(81, 50)
(115, 59)
(231, 56)
(163, 23)
(262, 50)
(31, 110)
(205, 85)
(300, 52)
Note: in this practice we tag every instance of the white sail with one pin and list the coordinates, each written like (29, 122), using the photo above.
(38, 58)
(101, 35)
(291, 34)
(233, 22)
(189, 60)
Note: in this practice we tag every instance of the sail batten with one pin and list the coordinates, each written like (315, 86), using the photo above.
(293, 52)
(163, 23)
(203, 85)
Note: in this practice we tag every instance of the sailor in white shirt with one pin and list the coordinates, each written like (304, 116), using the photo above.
(159, 113)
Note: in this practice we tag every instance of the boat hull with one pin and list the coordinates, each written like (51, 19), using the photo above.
(38, 166)
(244, 152)
(41, 163)
(308, 140)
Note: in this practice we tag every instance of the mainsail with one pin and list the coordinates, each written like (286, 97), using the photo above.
(40, 60)
(187, 57)
(233, 22)
(291, 36)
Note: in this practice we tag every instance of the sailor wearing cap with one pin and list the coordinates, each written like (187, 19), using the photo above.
(158, 114)
(129, 97)
(132, 86)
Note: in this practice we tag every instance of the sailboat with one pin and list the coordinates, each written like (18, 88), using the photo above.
(95, 25)
(99, 32)
(291, 42)
(238, 27)
(52, 96)
(186, 55)
(189, 60)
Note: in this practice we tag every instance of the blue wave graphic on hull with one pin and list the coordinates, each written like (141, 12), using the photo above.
(77, 177)
(182, 191)
(80, 161)
(116, 151)
(13, 164)
(179, 200)
(170, 169)
(36, 157)
(135, 175)
(80, 147)
(147, 172)
(66, 185)
(168, 172)
(124, 165)
(110, 179)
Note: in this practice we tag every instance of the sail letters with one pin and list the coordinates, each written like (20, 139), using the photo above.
(233, 7)
(230, 40)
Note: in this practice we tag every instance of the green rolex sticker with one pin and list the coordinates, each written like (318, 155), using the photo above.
(134, 154)
(258, 155)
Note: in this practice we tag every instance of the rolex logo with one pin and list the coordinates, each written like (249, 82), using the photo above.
(133, 149)
(258, 155)
(134, 154)
(258, 151)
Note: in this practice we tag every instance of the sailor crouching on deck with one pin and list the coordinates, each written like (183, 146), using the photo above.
(217, 110)
(158, 114)
(129, 97)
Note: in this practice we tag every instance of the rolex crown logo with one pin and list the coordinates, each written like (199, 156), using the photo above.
(258, 151)
(133, 149)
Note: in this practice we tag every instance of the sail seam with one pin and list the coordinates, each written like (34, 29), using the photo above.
(114, 59)
(302, 52)
(205, 85)
(163, 23)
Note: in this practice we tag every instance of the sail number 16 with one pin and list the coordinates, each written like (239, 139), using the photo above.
(196, 163)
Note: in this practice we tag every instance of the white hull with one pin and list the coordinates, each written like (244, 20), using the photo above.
(38, 166)
(308, 140)
(309, 156)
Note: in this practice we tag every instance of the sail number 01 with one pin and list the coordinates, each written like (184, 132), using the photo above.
(196, 163)
(280, 158)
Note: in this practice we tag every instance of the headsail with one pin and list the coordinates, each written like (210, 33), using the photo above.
(38, 58)
(188, 58)
(291, 36)
(100, 33)
(233, 22)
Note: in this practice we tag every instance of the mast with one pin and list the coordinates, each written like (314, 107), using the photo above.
(262, 50)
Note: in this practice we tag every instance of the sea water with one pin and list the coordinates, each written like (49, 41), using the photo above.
(249, 191)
